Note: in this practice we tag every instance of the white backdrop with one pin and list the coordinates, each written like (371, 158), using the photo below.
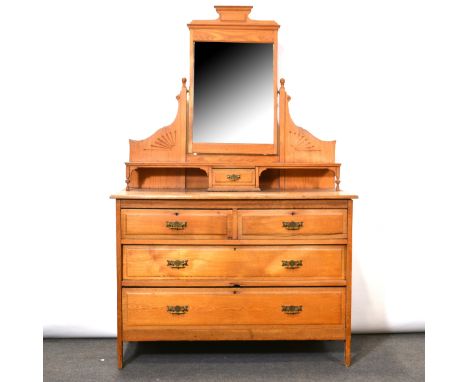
(360, 72)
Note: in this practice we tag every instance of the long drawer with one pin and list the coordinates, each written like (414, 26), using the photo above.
(293, 224)
(146, 307)
(176, 224)
(321, 262)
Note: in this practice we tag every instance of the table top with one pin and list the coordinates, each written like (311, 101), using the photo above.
(217, 195)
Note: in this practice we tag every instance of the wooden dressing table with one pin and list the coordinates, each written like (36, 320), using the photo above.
(233, 240)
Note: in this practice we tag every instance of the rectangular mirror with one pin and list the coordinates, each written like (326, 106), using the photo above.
(233, 93)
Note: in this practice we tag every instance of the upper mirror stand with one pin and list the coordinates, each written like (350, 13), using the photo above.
(167, 159)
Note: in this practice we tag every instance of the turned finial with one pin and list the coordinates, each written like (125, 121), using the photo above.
(282, 81)
(184, 81)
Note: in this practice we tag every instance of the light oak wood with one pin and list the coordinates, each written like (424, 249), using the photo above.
(197, 224)
(265, 255)
(238, 306)
(316, 262)
(349, 274)
(233, 177)
(200, 195)
(298, 144)
(235, 148)
(296, 176)
(234, 241)
(234, 333)
(232, 282)
(272, 224)
(168, 143)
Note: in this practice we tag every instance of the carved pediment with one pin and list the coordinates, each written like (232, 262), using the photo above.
(299, 145)
(168, 143)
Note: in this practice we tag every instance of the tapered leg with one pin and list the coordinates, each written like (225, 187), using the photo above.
(347, 354)
(119, 353)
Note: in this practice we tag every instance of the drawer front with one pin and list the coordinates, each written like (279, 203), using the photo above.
(176, 224)
(293, 224)
(233, 177)
(228, 306)
(313, 261)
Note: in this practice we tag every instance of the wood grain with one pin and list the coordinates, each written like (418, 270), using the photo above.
(270, 224)
(234, 332)
(227, 177)
(168, 143)
(317, 262)
(238, 306)
(250, 201)
(153, 224)
(232, 282)
(202, 195)
(349, 276)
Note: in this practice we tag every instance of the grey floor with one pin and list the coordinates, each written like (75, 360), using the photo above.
(376, 358)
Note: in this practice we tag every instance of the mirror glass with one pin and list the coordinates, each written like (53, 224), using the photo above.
(233, 99)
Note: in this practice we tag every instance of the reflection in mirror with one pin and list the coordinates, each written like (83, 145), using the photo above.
(234, 93)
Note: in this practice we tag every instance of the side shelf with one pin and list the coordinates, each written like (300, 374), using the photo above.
(226, 177)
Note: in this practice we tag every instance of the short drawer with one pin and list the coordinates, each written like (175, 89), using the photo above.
(180, 224)
(232, 306)
(293, 224)
(315, 262)
(233, 178)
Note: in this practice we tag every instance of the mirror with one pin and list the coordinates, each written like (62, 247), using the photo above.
(234, 93)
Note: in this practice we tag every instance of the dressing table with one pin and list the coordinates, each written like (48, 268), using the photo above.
(233, 225)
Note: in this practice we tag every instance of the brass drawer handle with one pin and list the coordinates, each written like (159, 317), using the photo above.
(291, 264)
(177, 309)
(177, 263)
(291, 309)
(293, 225)
(177, 225)
(233, 177)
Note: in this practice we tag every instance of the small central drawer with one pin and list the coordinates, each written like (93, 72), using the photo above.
(314, 262)
(293, 224)
(180, 224)
(232, 306)
(233, 178)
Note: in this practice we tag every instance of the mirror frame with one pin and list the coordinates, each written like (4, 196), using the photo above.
(233, 25)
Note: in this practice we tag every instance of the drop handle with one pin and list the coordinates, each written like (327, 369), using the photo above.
(177, 264)
(291, 264)
(292, 225)
(176, 225)
(233, 177)
(177, 309)
(291, 309)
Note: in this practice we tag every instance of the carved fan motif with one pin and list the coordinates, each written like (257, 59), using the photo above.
(301, 142)
(166, 141)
